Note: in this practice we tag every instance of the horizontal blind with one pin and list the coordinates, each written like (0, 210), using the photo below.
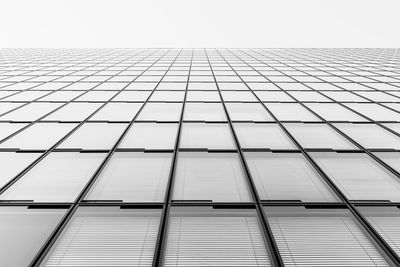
(106, 241)
(323, 241)
(215, 241)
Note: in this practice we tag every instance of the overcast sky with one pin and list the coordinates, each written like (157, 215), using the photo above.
(200, 23)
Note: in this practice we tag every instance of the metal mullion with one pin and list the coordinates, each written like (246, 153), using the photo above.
(62, 224)
(273, 250)
(162, 232)
(366, 225)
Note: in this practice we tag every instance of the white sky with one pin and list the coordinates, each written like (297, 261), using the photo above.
(200, 23)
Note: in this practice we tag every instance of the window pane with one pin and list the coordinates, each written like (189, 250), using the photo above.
(94, 136)
(359, 176)
(117, 112)
(390, 158)
(273, 96)
(204, 112)
(160, 112)
(132, 96)
(334, 112)
(207, 135)
(6, 107)
(73, 112)
(7, 129)
(133, 177)
(53, 179)
(151, 136)
(203, 236)
(247, 112)
(375, 111)
(107, 236)
(318, 136)
(217, 177)
(241, 96)
(322, 237)
(23, 231)
(61, 96)
(309, 96)
(252, 135)
(287, 176)
(386, 221)
(206, 96)
(290, 112)
(370, 135)
(167, 96)
(13, 163)
(39, 136)
(30, 112)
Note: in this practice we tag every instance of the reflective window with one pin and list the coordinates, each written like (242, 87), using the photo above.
(273, 96)
(94, 136)
(334, 112)
(386, 221)
(61, 96)
(117, 112)
(30, 112)
(241, 96)
(133, 177)
(204, 112)
(151, 136)
(290, 112)
(206, 96)
(13, 163)
(320, 136)
(168, 96)
(96, 96)
(247, 112)
(370, 135)
(268, 135)
(6, 107)
(375, 111)
(53, 179)
(207, 135)
(26, 96)
(309, 96)
(214, 237)
(107, 236)
(343, 96)
(390, 158)
(132, 96)
(73, 112)
(214, 177)
(287, 176)
(7, 129)
(24, 231)
(359, 176)
(322, 237)
(160, 112)
(39, 136)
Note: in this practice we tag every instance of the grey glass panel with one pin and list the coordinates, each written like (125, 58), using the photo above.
(106, 236)
(370, 135)
(375, 111)
(290, 112)
(252, 135)
(287, 176)
(390, 158)
(334, 112)
(217, 177)
(13, 163)
(212, 96)
(207, 135)
(132, 96)
(204, 112)
(319, 237)
(160, 112)
(6, 129)
(39, 136)
(359, 176)
(133, 177)
(94, 136)
(73, 112)
(386, 221)
(117, 112)
(30, 112)
(53, 179)
(318, 136)
(202, 236)
(23, 231)
(151, 136)
(247, 112)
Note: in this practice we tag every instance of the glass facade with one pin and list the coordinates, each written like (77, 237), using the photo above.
(199, 157)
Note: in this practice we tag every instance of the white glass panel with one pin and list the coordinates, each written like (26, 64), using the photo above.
(334, 112)
(6, 129)
(290, 112)
(117, 112)
(207, 135)
(73, 112)
(247, 112)
(204, 112)
(133, 177)
(59, 177)
(375, 111)
(30, 112)
(160, 112)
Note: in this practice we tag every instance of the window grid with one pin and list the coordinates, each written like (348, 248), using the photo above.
(228, 77)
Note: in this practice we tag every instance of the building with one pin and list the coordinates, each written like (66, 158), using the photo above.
(199, 157)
